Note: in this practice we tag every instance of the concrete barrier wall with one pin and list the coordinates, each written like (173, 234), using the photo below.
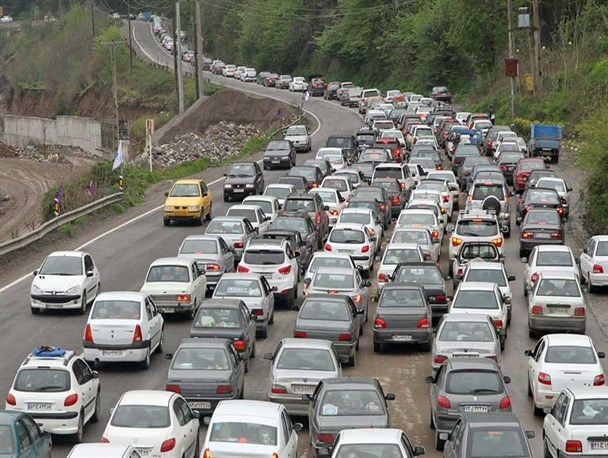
(65, 130)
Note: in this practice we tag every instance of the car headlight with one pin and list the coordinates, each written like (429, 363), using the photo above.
(250, 185)
(192, 208)
(73, 290)
(36, 290)
(227, 186)
(168, 208)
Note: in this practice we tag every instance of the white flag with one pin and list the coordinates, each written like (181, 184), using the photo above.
(118, 159)
(306, 96)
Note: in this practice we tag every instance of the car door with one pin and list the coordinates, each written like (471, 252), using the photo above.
(587, 258)
(239, 366)
(227, 256)
(190, 428)
(249, 232)
(259, 178)
(92, 281)
(84, 378)
(291, 438)
(268, 300)
(457, 439)
(248, 326)
(199, 282)
(41, 446)
(180, 427)
(264, 223)
(153, 323)
(206, 196)
(534, 361)
(554, 430)
(24, 446)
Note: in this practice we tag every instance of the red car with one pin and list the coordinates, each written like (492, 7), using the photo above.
(523, 170)
(393, 145)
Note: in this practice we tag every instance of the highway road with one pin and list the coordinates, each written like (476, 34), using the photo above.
(123, 257)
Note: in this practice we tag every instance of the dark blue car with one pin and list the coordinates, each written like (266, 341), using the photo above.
(20, 437)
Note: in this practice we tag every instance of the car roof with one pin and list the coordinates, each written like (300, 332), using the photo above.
(146, 397)
(356, 210)
(477, 285)
(370, 436)
(404, 285)
(174, 261)
(586, 392)
(601, 238)
(267, 245)
(301, 195)
(121, 295)
(279, 185)
(247, 408)
(327, 297)
(244, 206)
(348, 226)
(76, 254)
(328, 254)
(336, 270)
(351, 382)
(258, 197)
(237, 276)
(471, 363)
(290, 342)
(575, 340)
(561, 248)
(456, 316)
(188, 181)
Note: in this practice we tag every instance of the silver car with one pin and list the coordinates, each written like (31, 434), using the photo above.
(341, 280)
(464, 335)
(421, 236)
(235, 230)
(299, 137)
(328, 259)
(298, 365)
(254, 290)
(211, 253)
(330, 317)
(394, 254)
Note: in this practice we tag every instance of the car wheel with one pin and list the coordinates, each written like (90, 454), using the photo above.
(271, 319)
(166, 221)
(201, 219)
(531, 333)
(525, 290)
(378, 347)
(431, 421)
(263, 333)
(145, 364)
(592, 287)
(439, 443)
(161, 344)
(96, 412)
(537, 411)
(353, 359)
(77, 437)
(208, 217)
(35, 310)
(83, 306)
(252, 351)
(246, 365)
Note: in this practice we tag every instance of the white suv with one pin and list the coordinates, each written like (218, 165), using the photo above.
(58, 390)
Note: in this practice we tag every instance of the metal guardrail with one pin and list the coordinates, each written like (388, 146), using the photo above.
(55, 223)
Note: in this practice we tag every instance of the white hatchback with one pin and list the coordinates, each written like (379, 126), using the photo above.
(253, 213)
(123, 326)
(269, 204)
(546, 259)
(341, 184)
(157, 423)
(363, 216)
(394, 254)
(333, 200)
(280, 191)
(355, 240)
(594, 262)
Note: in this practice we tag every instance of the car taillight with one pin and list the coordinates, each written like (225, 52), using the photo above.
(346, 337)
(505, 403)
(599, 380)
(395, 199)
(382, 206)
(446, 198)
(537, 310)
(207, 453)
(137, 335)
(560, 211)
(440, 359)
(497, 242)
(223, 389)
(300, 334)
(456, 241)
(503, 167)
(70, 400)
(556, 235)
(597, 269)
(490, 142)
(242, 269)
(257, 312)
(579, 311)
(183, 298)
(460, 271)
(285, 270)
(440, 298)
(527, 235)
(278, 389)
(457, 160)
(379, 323)
(325, 438)
(544, 378)
(88, 334)
(444, 402)
(364, 248)
(382, 277)
(423, 323)
(439, 167)
(167, 445)
(534, 277)
(10, 400)
(104, 440)
(574, 446)
(327, 247)
(238, 244)
(498, 323)
(435, 234)
(334, 212)
(213, 266)
(240, 345)
(317, 218)
(173, 388)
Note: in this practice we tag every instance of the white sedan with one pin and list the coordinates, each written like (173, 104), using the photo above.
(333, 200)
(594, 262)
(374, 442)
(65, 280)
(577, 423)
(158, 423)
(562, 361)
(298, 84)
(545, 259)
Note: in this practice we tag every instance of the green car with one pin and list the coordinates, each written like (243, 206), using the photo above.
(20, 437)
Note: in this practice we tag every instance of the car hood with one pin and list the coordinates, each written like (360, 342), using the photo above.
(57, 282)
(165, 287)
(182, 201)
(239, 180)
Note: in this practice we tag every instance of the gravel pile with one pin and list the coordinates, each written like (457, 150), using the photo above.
(49, 153)
(218, 142)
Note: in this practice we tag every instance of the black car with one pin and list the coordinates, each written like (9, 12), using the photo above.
(366, 137)
(538, 198)
(441, 94)
(279, 153)
(227, 319)
(298, 182)
(331, 91)
(313, 205)
(299, 245)
(313, 175)
(242, 180)
(507, 162)
(270, 80)
(301, 222)
(466, 167)
(396, 193)
(347, 142)
(317, 86)
(540, 227)
(380, 194)
(323, 164)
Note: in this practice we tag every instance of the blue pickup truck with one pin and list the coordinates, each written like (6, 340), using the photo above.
(545, 141)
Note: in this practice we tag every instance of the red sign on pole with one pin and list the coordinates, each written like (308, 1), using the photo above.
(511, 67)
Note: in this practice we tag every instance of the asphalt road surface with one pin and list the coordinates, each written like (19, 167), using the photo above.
(124, 255)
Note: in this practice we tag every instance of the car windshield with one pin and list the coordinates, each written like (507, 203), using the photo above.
(589, 412)
(468, 299)
(294, 224)
(194, 246)
(338, 142)
(224, 227)
(263, 204)
(248, 213)
(487, 275)
(237, 288)
(141, 417)
(347, 236)
(185, 190)
(310, 173)
(334, 281)
(476, 228)
(355, 217)
(422, 219)
(328, 197)
(397, 255)
(602, 249)
(296, 130)
(201, 359)
(469, 162)
(472, 381)
(279, 193)
(424, 275)
(42, 379)
(401, 297)
(351, 403)
(565, 354)
(338, 184)
(61, 265)
(421, 237)
(217, 318)
(509, 157)
(116, 310)
(277, 145)
(558, 287)
(393, 172)
(243, 433)
(264, 257)
(307, 359)
(554, 258)
(542, 218)
(323, 261)
(481, 191)
(307, 205)
(242, 170)
(168, 273)
(466, 331)
(6, 441)
(543, 197)
(496, 443)
(532, 165)
(324, 311)
(369, 451)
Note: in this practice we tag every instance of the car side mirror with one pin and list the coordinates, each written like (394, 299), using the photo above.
(167, 194)
(90, 273)
(524, 260)
(377, 258)
(254, 317)
(419, 451)
(511, 278)
(390, 397)
(202, 271)
(511, 194)
(207, 421)
(569, 188)
(601, 354)
(94, 374)
(169, 356)
(529, 353)
(430, 380)
(530, 434)
(507, 379)
(449, 228)
(344, 359)
(373, 238)
(45, 434)
(360, 268)
(298, 427)
(268, 356)
(267, 218)
(326, 208)
(205, 194)
(307, 281)
(35, 273)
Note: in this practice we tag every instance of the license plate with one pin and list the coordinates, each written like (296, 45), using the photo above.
(54, 306)
(276, 162)
(543, 235)
(167, 310)
(238, 190)
(559, 310)
(345, 251)
(112, 352)
(267, 276)
(144, 451)
(401, 338)
(595, 445)
(303, 389)
(39, 406)
(479, 409)
(199, 405)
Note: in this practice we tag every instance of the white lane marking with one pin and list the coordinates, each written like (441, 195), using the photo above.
(141, 47)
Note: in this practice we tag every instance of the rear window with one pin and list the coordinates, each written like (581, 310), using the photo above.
(423, 275)
(351, 402)
(369, 450)
(352, 217)
(542, 197)
(423, 219)
(328, 197)
(340, 185)
(177, 274)
(396, 173)
(324, 310)
(473, 228)
(346, 236)
(263, 204)
(554, 258)
(589, 412)
(307, 172)
(397, 255)
(243, 433)
(263, 257)
(334, 281)
(338, 142)
(389, 186)
(412, 236)
(116, 310)
(372, 193)
(224, 227)
(401, 298)
(490, 443)
(475, 382)
(217, 318)
(464, 331)
(47, 380)
(563, 354)
(481, 191)
(307, 205)
(532, 165)
(542, 218)
(308, 359)
(277, 192)
(138, 416)
(329, 262)
(201, 359)
(558, 287)
(294, 224)
(199, 247)
(250, 214)
(238, 288)
(487, 275)
(485, 300)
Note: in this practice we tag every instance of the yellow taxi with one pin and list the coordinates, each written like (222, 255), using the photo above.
(187, 200)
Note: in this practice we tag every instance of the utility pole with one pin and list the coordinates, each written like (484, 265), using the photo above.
(198, 51)
(510, 26)
(177, 46)
(113, 45)
(537, 66)
(93, 18)
(130, 38)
